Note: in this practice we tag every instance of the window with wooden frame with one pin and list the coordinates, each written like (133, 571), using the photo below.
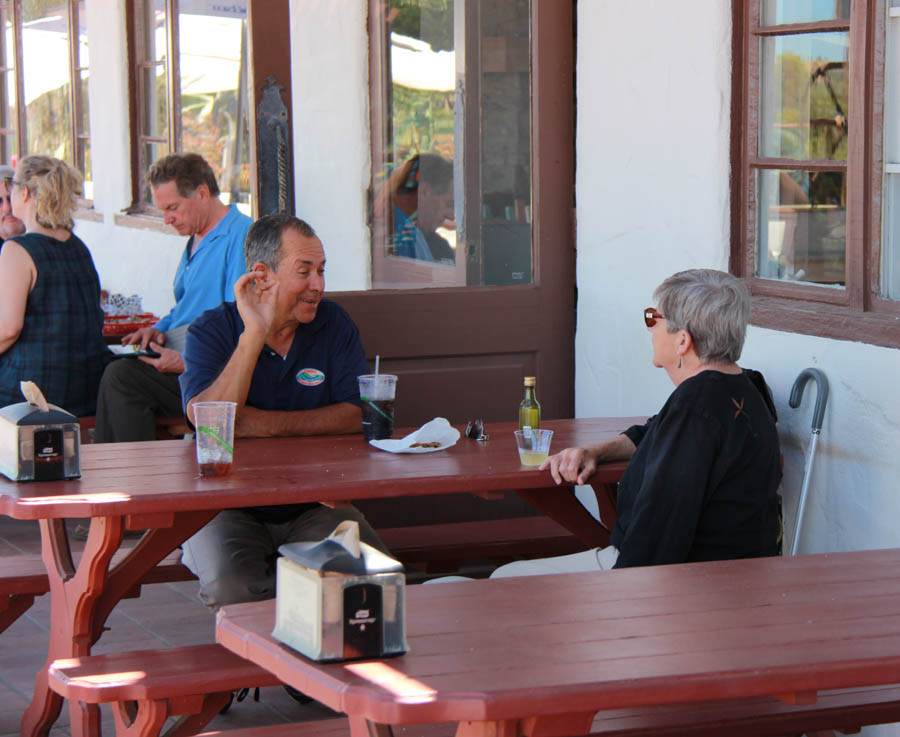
(44, 83)
(452, 143)
(815, 208)
(189, 91)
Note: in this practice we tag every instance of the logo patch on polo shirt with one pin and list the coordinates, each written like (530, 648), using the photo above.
(310, 377)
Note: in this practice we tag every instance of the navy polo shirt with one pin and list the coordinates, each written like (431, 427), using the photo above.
(320, 368)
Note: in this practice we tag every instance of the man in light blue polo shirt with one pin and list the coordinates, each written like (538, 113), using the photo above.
(289, 359)
(134, 391)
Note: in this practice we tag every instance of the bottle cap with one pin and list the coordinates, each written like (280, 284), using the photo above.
(529, 381)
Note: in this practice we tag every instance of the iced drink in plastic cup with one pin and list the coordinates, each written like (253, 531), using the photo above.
(214, 422)
(533, 445)
(377, 394)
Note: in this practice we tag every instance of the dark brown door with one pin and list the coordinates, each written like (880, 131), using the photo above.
(461, 331)
(461, 352)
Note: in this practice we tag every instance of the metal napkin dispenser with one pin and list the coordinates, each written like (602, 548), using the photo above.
(340, 599)
(37, 445)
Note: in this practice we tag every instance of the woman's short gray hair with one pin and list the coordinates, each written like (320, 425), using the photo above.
(263, 242)
(712, 306)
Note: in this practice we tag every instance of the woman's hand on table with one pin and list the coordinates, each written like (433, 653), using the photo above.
(572, 465)
(577, 465)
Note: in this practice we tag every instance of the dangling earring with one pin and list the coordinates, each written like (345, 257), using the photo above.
(679, 361)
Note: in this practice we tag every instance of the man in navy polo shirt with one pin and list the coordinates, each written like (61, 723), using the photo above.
(289, 359)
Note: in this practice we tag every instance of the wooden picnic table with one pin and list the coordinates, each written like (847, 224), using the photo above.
(542, 655)
(155, 486)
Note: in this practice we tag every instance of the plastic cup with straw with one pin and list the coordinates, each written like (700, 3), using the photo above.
(377, 391)
(215, 437)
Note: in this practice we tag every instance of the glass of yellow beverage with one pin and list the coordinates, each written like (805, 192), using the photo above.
(533, 445)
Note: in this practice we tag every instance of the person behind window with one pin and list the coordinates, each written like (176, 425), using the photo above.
(422, 198)
(703, 474)
(10, 225)
(51, 324)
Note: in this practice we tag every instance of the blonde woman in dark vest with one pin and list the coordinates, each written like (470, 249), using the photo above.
(51, 324)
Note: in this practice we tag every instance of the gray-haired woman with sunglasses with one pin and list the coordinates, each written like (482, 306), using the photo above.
(703, 474)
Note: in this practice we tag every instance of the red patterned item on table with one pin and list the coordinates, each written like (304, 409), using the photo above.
(124, 324)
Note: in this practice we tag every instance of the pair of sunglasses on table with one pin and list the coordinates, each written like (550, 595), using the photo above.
(651, 315)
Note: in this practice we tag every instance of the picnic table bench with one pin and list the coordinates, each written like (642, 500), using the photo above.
(429, 547)
(147, 687)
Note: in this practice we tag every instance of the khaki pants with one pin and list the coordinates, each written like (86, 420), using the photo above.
(234, 554)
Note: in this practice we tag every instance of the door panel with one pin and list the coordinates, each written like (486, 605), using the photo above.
(462, 352)
(492, 336)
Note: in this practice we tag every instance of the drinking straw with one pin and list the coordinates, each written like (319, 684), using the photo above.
(377, 357)
(215, 436)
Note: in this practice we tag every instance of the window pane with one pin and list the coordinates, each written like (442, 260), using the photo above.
(890, 267)
(775, 12)
(83, 154)
(82, 34)
(212, 44)
(45, 68)
(84, 103)
(155, 107)
(434, 222)
(801, 226)
(890, 231)
(152, 29)
(8, 141)
(151, 73)
(803, 96)
(82, 100)
(505, 144)
(8, 146)
(151, 152)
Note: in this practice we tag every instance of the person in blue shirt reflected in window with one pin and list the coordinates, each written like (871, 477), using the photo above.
(422, 201)
(134, 392)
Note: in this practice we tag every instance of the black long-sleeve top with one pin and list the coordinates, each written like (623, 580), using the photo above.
(702, 483)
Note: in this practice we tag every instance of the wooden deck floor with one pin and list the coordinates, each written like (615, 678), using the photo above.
(166, 615)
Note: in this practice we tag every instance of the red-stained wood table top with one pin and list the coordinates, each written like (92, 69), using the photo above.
(146, 478)
(541, 655)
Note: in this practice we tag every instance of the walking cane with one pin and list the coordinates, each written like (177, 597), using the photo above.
(819, 411)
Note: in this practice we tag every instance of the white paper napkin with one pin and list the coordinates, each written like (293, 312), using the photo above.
(437, 430)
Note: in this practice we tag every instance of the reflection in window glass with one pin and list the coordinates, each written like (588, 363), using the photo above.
(890, 271)
(8, 141)
(154, 88)
(81, 73)
(776, 12)
(890, 231)
(45, 67)
(804, 96)
(212, 43)
(802, 226)
(436, 222)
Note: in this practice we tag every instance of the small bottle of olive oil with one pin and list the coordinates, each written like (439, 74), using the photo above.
(530, 409)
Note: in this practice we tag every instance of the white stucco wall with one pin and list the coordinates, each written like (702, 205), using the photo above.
(329, 72)
(652, 198)
(129, 260)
